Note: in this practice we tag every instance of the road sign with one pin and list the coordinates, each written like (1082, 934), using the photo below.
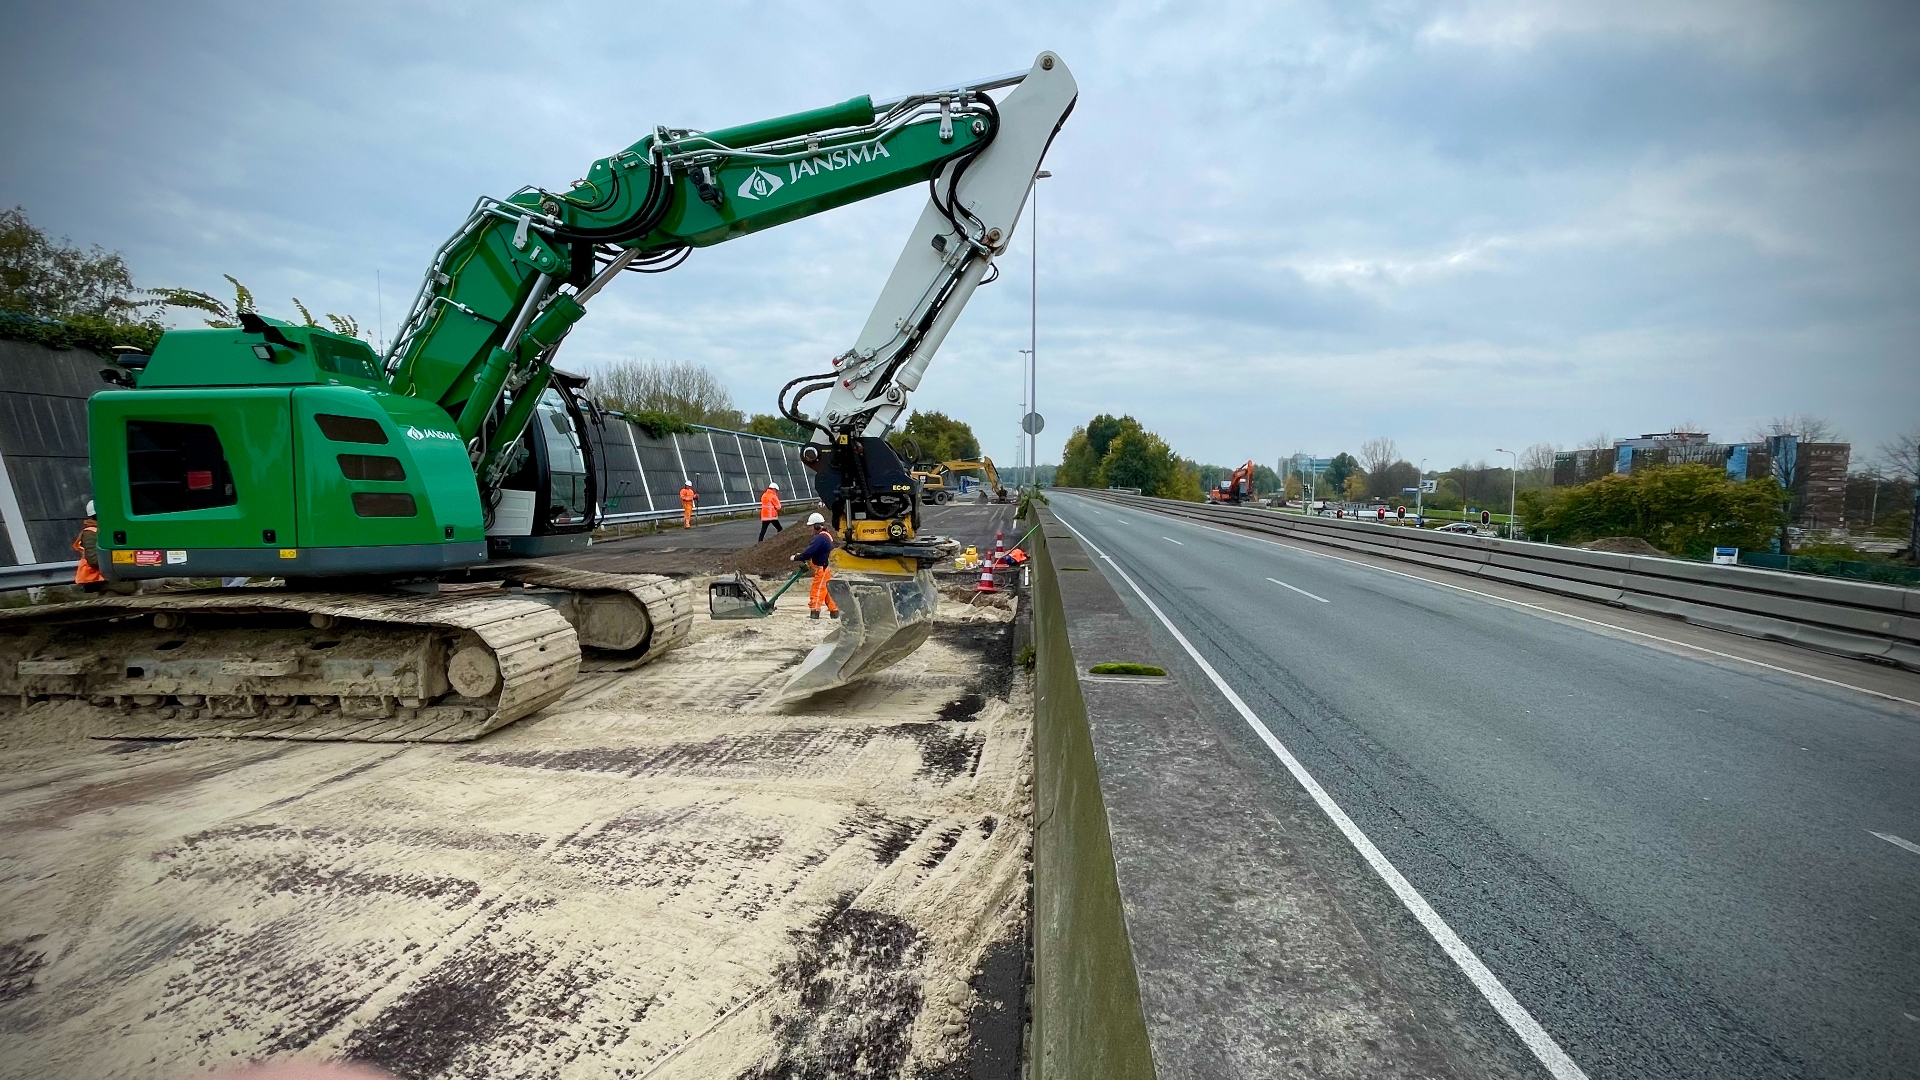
(1726, 556)
(1429, 486)
(1033, 423)
(1486, 517)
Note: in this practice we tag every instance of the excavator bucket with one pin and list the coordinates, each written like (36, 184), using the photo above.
(883, 618)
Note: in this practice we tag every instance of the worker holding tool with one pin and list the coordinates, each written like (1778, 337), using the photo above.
(87, 546)
(770, 509)
(688, 497)
(819, 549)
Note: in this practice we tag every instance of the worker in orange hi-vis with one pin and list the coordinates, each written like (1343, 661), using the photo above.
(87, 546)
(770, 509)
(688, 497)
(819, 550)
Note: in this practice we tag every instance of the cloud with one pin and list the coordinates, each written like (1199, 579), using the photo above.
(1270, 228)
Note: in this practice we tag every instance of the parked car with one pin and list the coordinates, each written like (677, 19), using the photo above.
(1466, 527)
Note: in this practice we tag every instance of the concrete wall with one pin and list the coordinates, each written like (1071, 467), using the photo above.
(1087, 1021)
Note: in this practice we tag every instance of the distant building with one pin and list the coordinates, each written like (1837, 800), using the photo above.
(1303, 465)
(1816, 473)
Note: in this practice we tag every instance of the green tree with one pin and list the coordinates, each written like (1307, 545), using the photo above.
(58, 279)
(778, 427)
(938, 436)
(1141, 459)
(1079, 465)
(1684, 509)
(1342, 466)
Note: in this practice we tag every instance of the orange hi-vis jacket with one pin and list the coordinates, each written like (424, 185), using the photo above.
(687, 495)
(769, 505)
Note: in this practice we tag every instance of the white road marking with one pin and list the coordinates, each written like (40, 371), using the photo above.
(1171, 540)
(1123, 521)
(1564, 615)
(1301, 591)
(1484, 980)
(1888, 837)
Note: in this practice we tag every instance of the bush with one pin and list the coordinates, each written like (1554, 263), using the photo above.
(1685, 509)
(90, 332)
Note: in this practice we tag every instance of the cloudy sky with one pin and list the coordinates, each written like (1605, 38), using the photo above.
(1272, 226)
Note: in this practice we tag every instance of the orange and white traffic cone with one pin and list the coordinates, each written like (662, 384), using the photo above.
(999, 547)
(986, 578)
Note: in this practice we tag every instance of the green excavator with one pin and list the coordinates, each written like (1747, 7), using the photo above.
(405, 500)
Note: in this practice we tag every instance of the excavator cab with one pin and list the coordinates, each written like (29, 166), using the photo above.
(545, 505)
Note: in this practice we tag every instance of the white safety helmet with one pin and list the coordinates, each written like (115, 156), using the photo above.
(816, 519)
(774, 486)
(89, 507)
(686, 483)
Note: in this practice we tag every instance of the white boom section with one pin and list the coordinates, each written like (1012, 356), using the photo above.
(930, 285)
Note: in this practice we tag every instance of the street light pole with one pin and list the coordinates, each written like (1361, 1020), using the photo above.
(1033, 335)
(1020, 429)
(1513, 489)
(1420, 496)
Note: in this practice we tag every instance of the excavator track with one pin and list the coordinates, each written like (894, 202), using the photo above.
(270, 663)
(634, 617)
(277, 664)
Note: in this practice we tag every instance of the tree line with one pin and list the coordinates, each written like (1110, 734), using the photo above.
(1116, 451)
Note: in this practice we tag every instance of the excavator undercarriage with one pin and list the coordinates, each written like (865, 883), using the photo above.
(267, 662)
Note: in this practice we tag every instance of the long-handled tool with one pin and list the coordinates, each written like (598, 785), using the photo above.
(737, 597)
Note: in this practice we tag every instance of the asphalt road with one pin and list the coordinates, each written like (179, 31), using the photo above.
(676, 550)
(1671, 861)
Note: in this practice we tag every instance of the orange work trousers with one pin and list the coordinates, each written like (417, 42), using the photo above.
(817, 596)
(686, 515)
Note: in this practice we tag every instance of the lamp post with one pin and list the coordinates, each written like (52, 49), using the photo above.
(1020, 429)
(1420, 496)
(1513, 489)
(1033, 335)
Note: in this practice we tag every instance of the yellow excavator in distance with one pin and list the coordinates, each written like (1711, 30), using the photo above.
(934, 478)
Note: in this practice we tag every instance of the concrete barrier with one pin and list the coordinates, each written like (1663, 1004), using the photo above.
(1851, 618)
(1087, 1021)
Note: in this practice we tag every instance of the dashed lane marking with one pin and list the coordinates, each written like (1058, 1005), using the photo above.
(1299, 590)
(1543, 1046)
(1888, 837)
(1551, 612)
(1171, 540)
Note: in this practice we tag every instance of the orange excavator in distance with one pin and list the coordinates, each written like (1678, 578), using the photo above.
(1235, 489)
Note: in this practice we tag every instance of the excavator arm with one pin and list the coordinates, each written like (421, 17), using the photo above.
(505, 289)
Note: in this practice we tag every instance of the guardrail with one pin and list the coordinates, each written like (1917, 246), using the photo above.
(1850, 618)
(35, 575)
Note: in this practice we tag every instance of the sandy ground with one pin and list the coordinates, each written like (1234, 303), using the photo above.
(662, 876)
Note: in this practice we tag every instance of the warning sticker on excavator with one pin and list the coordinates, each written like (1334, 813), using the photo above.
(146, 558)
(123, 556)
(289, 553)
(175, 557)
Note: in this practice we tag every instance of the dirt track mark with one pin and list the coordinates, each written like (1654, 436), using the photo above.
(992, 642)
(853, 992)
(944, 753)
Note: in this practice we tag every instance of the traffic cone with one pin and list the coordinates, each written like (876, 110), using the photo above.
(986, 579)
(999, 547)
